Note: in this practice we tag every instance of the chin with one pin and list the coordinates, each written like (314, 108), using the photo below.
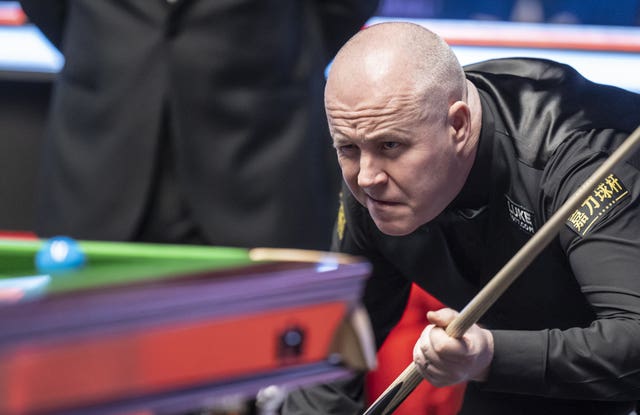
(392, 229)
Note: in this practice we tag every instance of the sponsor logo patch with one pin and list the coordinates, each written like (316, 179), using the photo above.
(341, 221)
(521, 216)
(602, 199)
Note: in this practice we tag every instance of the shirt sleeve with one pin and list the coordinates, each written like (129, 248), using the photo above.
(602, 242)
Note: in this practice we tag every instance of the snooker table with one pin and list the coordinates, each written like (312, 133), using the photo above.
(150, 328)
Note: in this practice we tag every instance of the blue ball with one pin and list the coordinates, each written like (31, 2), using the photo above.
(60, 253)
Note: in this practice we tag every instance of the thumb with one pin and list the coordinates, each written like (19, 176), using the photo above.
(442, 318)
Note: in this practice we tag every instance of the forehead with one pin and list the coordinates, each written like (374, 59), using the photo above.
(360, 109)
(364, 99)
(369, 110)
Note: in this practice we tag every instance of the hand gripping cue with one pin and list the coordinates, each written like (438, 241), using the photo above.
(407, 381)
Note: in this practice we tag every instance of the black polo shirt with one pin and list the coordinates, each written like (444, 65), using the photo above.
(567, 332)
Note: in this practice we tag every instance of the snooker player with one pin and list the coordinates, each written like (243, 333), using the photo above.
(448, 171)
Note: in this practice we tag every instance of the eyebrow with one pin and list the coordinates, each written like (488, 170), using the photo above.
(386, 136)
(375, 138)
(337, 141)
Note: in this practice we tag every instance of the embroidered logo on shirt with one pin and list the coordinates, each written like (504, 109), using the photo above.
(520, 215)
(341, 222)
(604, 196)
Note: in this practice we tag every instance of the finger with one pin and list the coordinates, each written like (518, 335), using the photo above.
(420, 359)
(421, 348)
(436, 373)
(442, 317)
(424, 343)
(445, 348)
(440, 370)
(439, 378)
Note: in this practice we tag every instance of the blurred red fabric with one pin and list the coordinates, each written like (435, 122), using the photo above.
(396, 354)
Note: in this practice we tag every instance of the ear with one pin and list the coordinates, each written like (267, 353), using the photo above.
(459, 119)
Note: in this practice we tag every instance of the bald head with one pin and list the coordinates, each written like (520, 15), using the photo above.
(398, 56)
(403, 123)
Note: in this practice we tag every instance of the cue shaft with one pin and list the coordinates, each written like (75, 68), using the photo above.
(407, 381)
(300, 255)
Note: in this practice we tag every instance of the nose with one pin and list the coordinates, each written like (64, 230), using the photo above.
(370, 173)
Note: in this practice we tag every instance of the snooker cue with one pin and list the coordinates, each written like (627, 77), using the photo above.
(300, 255)
(407, 381)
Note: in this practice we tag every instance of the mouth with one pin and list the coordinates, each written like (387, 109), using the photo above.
(381, 203)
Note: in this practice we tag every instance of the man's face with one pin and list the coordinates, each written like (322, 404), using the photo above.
(396, 156)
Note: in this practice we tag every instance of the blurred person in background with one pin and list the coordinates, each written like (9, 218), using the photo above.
(191, 121)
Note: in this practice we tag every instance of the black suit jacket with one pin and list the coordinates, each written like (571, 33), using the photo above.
(241, 82)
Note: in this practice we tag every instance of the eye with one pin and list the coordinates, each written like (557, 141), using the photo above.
(390, 145)
(346, 149)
